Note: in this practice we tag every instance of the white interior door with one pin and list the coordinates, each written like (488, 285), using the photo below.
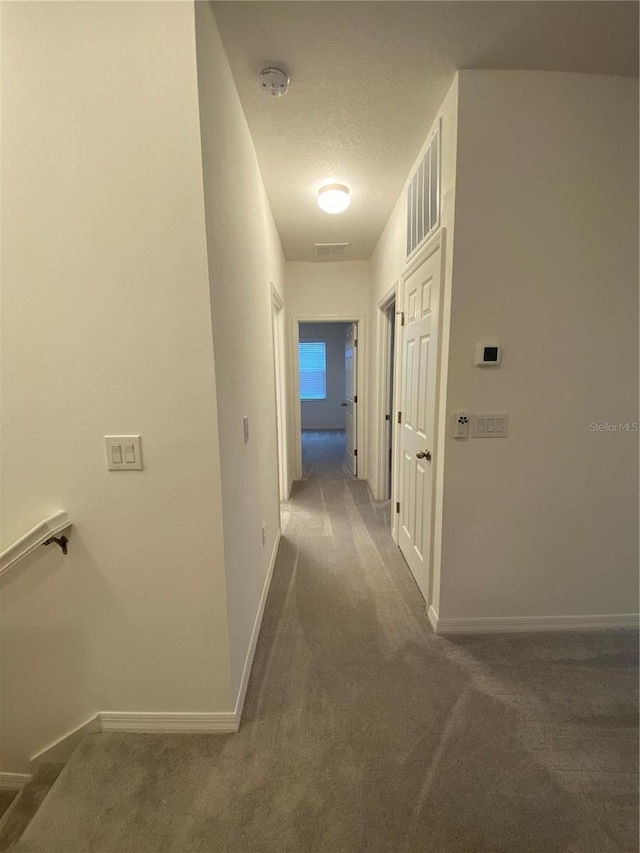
(417, 396)
(350, 397)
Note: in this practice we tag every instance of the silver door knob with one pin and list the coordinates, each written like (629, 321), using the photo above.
(424, 454)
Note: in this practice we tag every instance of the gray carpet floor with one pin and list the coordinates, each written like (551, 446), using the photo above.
(363, 731)
(323, 453)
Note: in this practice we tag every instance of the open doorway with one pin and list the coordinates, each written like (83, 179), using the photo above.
(327, 382)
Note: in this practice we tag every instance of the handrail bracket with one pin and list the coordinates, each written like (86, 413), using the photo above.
(59, 540)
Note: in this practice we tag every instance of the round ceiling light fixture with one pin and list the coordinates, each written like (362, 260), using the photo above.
(334, 198)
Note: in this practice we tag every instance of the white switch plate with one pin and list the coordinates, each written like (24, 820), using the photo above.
(494, 425)
(123, 452)
(461, 425)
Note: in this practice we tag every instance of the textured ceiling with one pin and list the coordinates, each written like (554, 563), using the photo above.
(367, 79)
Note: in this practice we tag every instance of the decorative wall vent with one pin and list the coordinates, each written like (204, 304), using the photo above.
(423, 197)
(330, 250)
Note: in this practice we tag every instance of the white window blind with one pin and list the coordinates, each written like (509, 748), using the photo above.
(313, 370)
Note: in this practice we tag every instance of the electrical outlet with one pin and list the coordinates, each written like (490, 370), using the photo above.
(461, 427)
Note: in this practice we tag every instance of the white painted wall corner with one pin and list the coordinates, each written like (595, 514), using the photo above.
(59, 752)
(246, 672)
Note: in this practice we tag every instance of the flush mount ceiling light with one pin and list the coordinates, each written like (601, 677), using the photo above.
(334, 198)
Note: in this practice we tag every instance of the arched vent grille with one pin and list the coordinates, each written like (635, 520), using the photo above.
(423, 197)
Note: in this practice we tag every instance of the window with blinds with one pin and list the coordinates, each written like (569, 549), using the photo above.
(313, 370)
(423, 197)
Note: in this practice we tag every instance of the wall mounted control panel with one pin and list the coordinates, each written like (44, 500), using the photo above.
(494, 425)
(123, 452)
(487, 354)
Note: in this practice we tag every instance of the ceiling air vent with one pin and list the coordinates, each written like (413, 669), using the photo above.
(423, 197)
(330, 250)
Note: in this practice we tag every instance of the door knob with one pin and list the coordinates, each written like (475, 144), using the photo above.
(424, 454)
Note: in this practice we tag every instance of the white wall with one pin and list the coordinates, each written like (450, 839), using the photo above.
(106, 329)
(244, 258)
(328, 413)
(328, 291)
(545, 522)
(388, 263)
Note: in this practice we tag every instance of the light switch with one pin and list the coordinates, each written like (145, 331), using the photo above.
(123, 452)
(490, 426)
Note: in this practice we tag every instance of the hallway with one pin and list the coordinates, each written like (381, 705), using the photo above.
(363, 731)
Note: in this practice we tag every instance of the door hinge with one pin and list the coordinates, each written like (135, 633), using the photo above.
(399, 417)
(401, 315)
(355, 452)
(387, 417)
(355, 342)
(397, 506)
(355, 399)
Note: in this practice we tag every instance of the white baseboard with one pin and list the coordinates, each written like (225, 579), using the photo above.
(246, 671)
(13, 781)
(524, 624)
(167, 722)
(59, 752)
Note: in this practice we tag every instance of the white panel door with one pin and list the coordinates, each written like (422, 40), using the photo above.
(417, 396)
(350, 397)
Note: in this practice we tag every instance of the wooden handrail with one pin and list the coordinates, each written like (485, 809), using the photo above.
(42, 534)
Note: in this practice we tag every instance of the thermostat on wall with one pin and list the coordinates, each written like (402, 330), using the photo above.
(488, 354)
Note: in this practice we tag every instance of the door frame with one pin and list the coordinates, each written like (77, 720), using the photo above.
(280, 388)
(435, 242)
(294, 384)
(381, 432)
